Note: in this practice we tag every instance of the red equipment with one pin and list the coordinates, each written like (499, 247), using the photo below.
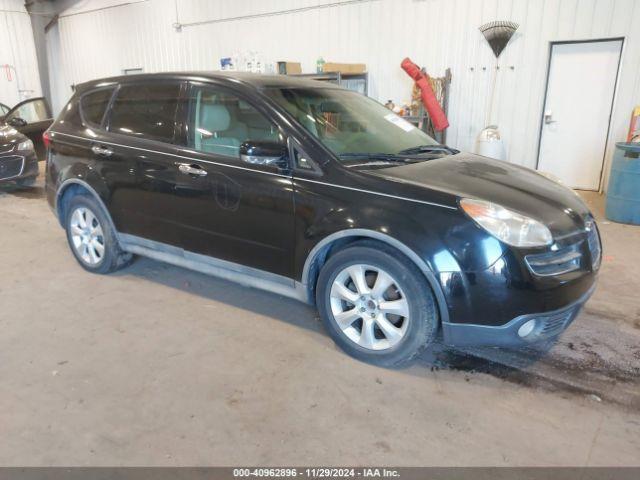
(438, 118)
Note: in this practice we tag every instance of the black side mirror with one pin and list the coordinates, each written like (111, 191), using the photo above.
(264, 152)
(17, 122)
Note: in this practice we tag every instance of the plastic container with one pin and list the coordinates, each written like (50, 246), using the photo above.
(489, 143)
(623, 193)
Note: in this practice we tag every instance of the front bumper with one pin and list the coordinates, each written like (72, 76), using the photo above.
(18, 166)
(547, 325)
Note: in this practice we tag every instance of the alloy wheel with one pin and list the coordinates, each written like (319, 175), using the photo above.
(87, 236)
(369, 307)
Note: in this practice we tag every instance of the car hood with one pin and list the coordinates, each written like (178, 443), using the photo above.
(512, 186)
(9, 136)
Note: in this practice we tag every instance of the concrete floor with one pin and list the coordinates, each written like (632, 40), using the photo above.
(156, 365)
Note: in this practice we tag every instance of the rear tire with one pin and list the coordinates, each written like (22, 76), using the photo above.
(91, 239)
(376, 304)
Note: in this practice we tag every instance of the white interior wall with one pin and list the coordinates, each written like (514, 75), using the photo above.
(437, 34)
(17, 49)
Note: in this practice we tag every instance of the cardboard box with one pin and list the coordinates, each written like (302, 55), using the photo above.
(289, 68)
(330, 67)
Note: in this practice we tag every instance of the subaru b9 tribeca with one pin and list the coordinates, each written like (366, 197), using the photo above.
(321, 194)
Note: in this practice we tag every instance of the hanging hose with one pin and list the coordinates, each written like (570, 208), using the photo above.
(429, 100)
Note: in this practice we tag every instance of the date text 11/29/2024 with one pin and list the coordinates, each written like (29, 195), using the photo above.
(318, 472)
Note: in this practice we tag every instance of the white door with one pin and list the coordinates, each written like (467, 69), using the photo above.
(577, 111)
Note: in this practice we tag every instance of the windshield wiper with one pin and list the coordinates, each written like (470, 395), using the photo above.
(428, 149)
(389, 157)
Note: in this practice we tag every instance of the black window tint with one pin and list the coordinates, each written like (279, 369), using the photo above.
(94, 105)
(147, 111)
(71, 113)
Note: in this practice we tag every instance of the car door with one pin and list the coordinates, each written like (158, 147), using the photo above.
(31, 118)
(139, 148)
(233, 210)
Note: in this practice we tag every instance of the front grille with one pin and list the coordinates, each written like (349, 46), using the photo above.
(555, 263)
(10, 167)
(593, 240)
(569, 258)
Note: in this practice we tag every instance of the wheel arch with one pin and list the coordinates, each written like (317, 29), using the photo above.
(319, 254)
(75, 186)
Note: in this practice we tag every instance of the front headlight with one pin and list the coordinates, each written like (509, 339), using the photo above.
(506, 225)
(27, 145)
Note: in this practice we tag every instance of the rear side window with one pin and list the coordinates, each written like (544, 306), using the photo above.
(94, 105)
(71, 113)
(146, 111)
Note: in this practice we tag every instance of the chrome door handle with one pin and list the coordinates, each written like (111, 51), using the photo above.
(189, 169)
(102, 151)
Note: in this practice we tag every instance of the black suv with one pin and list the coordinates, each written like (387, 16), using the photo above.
(320, 194)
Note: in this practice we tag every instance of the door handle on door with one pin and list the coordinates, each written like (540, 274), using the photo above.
(548, 118)
(102, 151)
(191, 169)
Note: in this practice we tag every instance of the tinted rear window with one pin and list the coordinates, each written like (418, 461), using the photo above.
(71, 113)
(146, 111)
(94, 105)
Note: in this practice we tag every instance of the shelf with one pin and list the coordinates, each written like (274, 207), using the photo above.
(344, 79)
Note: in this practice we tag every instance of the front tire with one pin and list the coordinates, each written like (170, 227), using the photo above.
(26, 182)
(91, 239)
(376, 304)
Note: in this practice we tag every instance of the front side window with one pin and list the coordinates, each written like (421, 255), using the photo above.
(31, 111)
(146, 111)
(349, 123)
(219, 122)
(94, 104)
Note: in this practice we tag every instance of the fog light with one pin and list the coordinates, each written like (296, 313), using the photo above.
(526, 328)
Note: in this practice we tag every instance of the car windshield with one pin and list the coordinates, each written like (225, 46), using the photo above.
(350, 124)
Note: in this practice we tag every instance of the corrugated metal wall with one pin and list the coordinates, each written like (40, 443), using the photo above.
(17, 49)
(434, 33)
